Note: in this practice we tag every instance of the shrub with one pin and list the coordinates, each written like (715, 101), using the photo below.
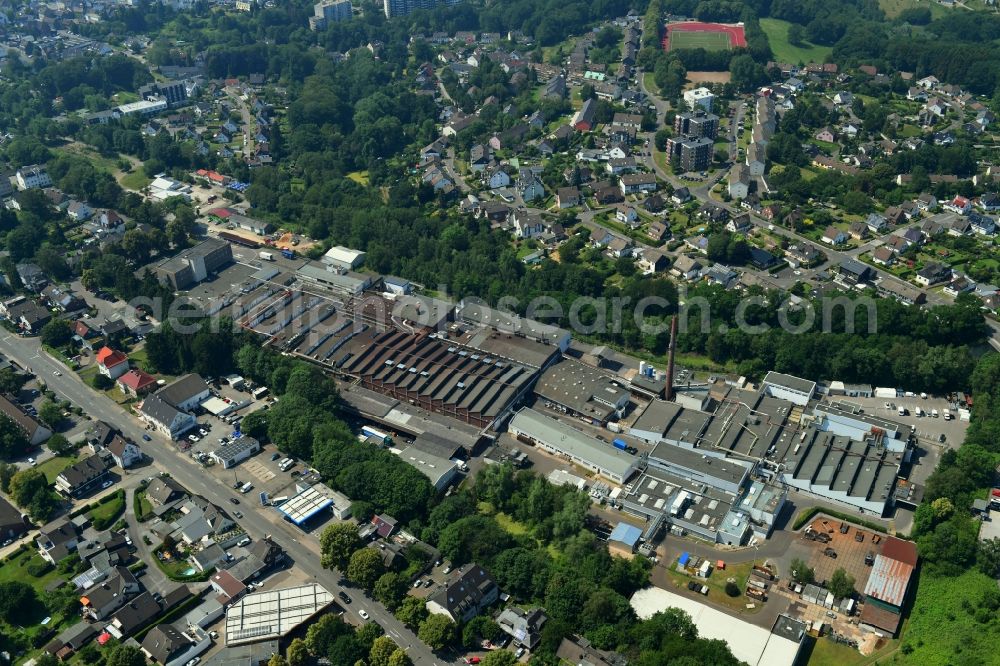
(38, 569)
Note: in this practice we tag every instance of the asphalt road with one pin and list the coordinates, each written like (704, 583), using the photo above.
(303, 548)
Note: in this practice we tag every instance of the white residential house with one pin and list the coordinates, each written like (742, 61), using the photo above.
(756, 159)
(627, 215)
(32, 176)
(959, 204)
(834, 236)
(497, 178)
(702, 97)
(124, 453)
(739, 181)
(78, 211)
(527, 224)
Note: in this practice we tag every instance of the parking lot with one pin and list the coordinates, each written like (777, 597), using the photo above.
(850, 553)
(928, 429)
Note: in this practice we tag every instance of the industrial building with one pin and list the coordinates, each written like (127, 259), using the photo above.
(786, 387)
(343, 257)
(309, 502)
(439, 471)
(581, 449)
(232, 454)
(888, 585)
(583, 392)
(749, 643)
(274, 614)
(473, 311)
(195, 264)
(433, 374)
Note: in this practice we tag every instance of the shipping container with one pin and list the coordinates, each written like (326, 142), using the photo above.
(288, 254)
(619, 444)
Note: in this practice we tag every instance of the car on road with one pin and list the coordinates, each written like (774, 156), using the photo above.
(238, 514)
(147, 438)
(346, 598)
(364, 614)
(57, 373)
(233, 500)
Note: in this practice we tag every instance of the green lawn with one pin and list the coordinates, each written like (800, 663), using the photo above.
(777, 35)
(135, 180)
(53, 466)
(107, 512)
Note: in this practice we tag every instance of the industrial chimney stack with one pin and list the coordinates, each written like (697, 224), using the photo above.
(670, 358)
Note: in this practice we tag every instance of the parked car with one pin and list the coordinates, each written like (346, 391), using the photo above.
(233, 500)
(364, 614)
(147, 438)
(344, 597)
(238, 514)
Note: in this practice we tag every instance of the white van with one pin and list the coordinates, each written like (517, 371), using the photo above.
(902, 411)
(934, 413)
(947, 415)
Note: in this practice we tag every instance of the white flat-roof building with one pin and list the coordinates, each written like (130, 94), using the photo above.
(142, 108)
(344, 256)
(749, 643)
(274, 614)
(163, 187)
(702, 97)
(440, 471)
(582, 449)
(786, 387)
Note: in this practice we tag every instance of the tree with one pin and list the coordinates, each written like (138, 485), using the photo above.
(60, 446)
(337, 543)
(390, 588)
(801, 573)
(7, 472)
(412, 612)
(382, 649)
(365, 567)
(125, 655)
(989, 557)
(841, 583)
(368, 633)
(732, 589)
(12, 440)
(57, 333)
(437, 631)
(277, 660)
(499, 658)
(50, 414)
(321, 634)
(104, 383)
(796, 34)
(400, 658)
(16, 599)
(297, 653)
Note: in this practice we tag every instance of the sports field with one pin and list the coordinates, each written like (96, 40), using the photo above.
(710, 41)
(700, 35)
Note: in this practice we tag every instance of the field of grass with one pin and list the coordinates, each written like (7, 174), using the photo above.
(777, 36)
(359, 177)
(135, 180)
(53, 466)
(107, 512)
(941, 631)
(710, 41)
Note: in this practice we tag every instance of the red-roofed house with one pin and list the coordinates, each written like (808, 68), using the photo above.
(959, 205)
(228, 586)
(111, 362)
(136, 383)
(222, 213)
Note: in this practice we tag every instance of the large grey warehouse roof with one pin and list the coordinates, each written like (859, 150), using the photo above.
(273, 614)
(565, 438)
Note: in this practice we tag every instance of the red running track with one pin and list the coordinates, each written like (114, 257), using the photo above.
(737, 38)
